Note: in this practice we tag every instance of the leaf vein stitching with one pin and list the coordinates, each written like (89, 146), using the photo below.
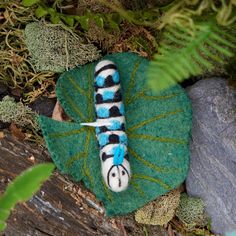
(155, 118)
(89, 95)
(76, 157)
(149, 97)
(132, 80)
(80, 90)
(155, 180)
(74, 106)
(85, 167)
(137, 188)
(154, 138)
(152, 166)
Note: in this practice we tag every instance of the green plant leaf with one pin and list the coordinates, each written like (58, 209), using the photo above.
(99, 21)
(84, 22)
(28, 3)
(114, 21)
(40, 12)
(55, 18)
(158, 129)
(188, 52)
(22, 188)
(69, 20)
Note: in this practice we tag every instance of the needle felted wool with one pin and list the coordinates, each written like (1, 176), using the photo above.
(158, 129)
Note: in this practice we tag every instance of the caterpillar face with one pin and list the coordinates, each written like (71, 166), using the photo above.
(116, 176)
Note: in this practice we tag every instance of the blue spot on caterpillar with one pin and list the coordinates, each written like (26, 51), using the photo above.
(110, 126)
(100, 81)
(108, 95)
(103, 112)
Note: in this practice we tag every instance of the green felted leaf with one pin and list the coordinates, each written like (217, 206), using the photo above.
(158, 130)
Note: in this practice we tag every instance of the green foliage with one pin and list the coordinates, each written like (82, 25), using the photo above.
(159, 211)
(28, 3)
(189, 48)
(51, 12)
(188, 12)
(12, 112)
(55, 49)
(157, 126)
(186, 52)
(191, 212)
(22, 189)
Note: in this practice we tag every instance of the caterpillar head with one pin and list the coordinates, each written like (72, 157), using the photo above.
(116, 176)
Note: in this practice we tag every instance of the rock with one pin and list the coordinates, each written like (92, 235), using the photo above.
(212, 174)
(43, 106)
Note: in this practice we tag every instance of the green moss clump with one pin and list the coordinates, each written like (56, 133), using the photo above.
(12, 112)
(191, 212)
(159, 211)
(53, 48)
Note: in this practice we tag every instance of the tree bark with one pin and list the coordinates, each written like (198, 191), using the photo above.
(61, 207)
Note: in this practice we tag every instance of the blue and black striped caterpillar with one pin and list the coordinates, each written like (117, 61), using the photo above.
(110, 126)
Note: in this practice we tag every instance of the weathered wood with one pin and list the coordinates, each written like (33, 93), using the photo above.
(61, 207)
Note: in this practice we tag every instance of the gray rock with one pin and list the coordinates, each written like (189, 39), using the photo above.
(212, 174)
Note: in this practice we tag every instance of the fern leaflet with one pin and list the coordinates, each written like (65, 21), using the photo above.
(186, 52)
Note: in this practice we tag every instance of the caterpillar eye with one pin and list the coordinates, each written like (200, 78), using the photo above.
(123, 172)
(113, 174)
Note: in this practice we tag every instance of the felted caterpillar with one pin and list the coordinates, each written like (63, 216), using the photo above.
(110, 126)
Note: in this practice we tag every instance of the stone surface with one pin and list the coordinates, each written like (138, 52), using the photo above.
(212, 174)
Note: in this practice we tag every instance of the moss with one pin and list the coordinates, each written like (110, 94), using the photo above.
(160, 211)
(100, 36)
(12, 112)
(191, 212)
(92, 5)
(135, 39)
(53, 48)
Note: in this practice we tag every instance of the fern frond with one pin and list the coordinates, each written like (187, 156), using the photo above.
(185, 53)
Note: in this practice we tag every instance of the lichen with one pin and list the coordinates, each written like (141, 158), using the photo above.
(53, 48)
(17, 113)
(159, 211)
(191, 212)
